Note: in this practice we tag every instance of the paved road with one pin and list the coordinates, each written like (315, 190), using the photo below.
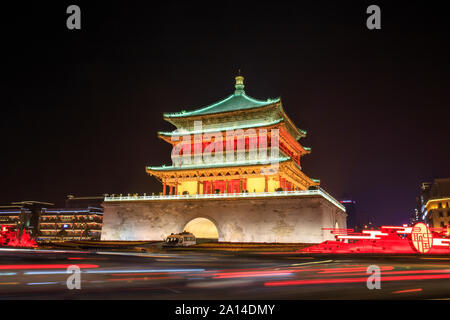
(35, 274)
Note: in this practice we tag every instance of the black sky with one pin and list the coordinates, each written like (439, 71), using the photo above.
(80, 109)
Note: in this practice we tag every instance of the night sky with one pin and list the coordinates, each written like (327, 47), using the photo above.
(80, 109)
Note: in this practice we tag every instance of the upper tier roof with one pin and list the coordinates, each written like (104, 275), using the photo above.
(237, 101)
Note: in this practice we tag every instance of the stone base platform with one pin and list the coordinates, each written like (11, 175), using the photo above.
(280, 217)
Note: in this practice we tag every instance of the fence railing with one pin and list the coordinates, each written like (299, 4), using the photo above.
(145, 197)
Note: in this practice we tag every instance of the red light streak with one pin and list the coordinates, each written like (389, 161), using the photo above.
(399, 272)
(354, 280)
(144, 273)
(409, 290)
(313, 281)
(279, 252)
(249, 274)
(349, 270)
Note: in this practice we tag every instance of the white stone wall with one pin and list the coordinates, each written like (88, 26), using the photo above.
(281, 219)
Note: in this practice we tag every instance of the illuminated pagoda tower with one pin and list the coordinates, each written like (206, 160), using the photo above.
(235, 176)
(236, 126)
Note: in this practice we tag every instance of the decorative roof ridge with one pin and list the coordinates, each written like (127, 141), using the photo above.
(185, 113)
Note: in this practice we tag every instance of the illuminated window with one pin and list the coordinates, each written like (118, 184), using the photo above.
(441, 215)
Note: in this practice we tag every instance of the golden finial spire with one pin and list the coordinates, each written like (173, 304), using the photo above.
(239, 84)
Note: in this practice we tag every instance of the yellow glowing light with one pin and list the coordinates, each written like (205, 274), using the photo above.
(256, 184)
(189, 186)
(202, 228)
(431, 201)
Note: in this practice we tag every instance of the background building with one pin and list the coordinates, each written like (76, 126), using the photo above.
(434, 203)
(9, 215)
(24, 215)
(350, 209)
(81, 219)
(421, 200)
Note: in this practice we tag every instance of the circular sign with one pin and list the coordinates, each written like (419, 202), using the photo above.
(421, 237)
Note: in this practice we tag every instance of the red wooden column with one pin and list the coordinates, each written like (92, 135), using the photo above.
(211, 187)
(282, 183)
(226, 187)
(176, 188)
(164, 188)
(266, 188)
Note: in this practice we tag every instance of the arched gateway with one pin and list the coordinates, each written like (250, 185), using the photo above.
(203, 229)
(237, 162)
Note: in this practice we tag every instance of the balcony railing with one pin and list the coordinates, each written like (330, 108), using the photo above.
(319, 192)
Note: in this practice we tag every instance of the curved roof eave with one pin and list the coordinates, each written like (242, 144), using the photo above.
(234, 102)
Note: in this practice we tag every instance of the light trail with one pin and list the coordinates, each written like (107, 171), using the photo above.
(43, 266)
(354, 280)
(117, 271)
(408, 291)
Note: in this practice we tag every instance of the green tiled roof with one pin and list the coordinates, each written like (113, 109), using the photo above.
(232, 103)
(237, 101)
